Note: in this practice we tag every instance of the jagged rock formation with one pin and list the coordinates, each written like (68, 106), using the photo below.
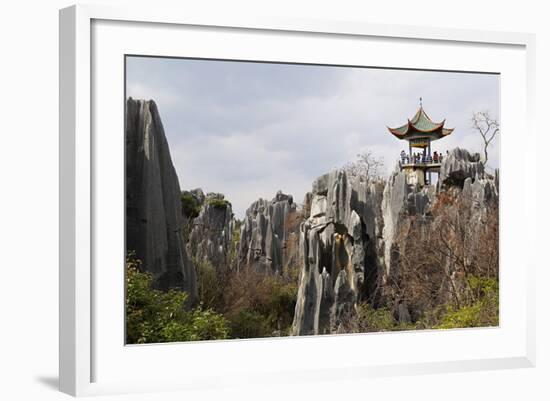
(154, 219)
(350, 242)
(210, 239)
(400, 200)
(458, 165)
(338, 251)
(269, 234)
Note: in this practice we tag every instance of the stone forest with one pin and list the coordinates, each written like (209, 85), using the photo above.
(360, 253)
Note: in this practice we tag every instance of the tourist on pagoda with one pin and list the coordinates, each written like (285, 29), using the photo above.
(403, 156)
(436, 157)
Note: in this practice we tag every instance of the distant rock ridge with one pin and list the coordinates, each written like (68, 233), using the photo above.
(154, 220)
(267, 228)
(210, 239)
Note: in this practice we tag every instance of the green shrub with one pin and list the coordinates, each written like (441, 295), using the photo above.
(199, 325)
(190, 205)
(210, 284)
(259, 304)
(218, 203)
(281, 304)
(248, 323)
(482, 312)
(154, 316)
(371, 319)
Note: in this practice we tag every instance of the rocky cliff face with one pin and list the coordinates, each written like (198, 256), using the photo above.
(350, 243)
(338, 248)
(459, 165)
(269, 234)
(153, 207)
(210, 239)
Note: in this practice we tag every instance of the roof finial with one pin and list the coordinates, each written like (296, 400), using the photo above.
(420, 101)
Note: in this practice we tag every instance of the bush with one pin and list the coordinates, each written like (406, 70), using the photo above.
(259, 304)
(199, 325)
(211, 284)
(482, 312)
(154, 316)
(218, 203)
(190, 206)
(248, 323)
(371, 319)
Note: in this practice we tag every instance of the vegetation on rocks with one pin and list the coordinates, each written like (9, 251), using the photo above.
(190, 205)
(154, 316)
(255, 304)
(218, 203)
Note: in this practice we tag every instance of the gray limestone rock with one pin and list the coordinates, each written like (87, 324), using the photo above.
(265, 234)
(350, 237)
(458, 165)
(210, 239)
(154, 218)
(338, 243)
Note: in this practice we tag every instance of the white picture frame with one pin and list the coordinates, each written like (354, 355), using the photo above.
(87, 63)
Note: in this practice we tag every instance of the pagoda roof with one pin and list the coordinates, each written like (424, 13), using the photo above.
(421, 124)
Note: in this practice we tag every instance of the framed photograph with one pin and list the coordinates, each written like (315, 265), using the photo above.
(280, 200)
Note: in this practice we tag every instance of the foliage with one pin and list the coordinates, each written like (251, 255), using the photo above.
(218, 203)
(199, 324)
(482, 312)
(248, 323)
(256, 304)
(371, 319)
(211, 284)
(154, 316)
(259, 304)
(280, 303)
(235, 238)
(448, 261)
(190, 205)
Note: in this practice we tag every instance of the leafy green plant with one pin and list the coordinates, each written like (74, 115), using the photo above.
(248, 323)
(199, 325)
(482, 312)
(154, 316)
(259, 304)
(371, 319)
(190, 205)
(218, 203)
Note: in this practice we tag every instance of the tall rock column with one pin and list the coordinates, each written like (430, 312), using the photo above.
(338, 244)
(210, 239)
(268, 234)
(154, 219)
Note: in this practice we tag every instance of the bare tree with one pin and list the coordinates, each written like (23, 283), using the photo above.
(367, 166)
(487, 127)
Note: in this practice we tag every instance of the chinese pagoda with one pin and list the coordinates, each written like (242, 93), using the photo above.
(420, 131)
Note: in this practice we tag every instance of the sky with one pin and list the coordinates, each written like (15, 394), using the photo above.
(250, 129)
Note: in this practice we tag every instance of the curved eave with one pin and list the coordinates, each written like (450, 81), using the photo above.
(397, 131)
(412, 130)
(447, 131)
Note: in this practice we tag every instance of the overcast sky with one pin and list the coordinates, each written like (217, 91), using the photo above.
(250, 129)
